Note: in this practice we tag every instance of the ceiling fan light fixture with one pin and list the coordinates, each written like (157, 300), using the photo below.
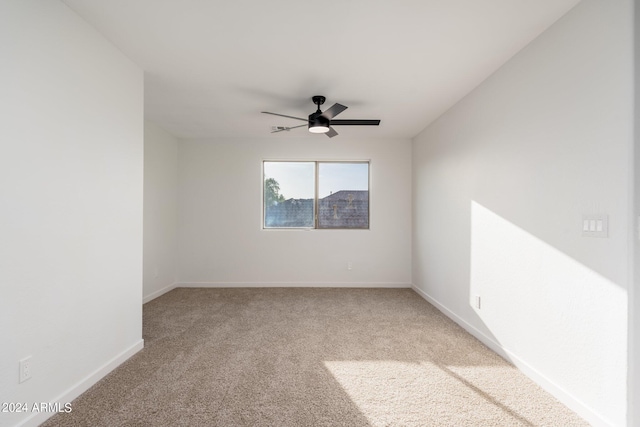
(319, 129)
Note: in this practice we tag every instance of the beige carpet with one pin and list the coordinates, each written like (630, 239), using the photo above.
(310, 357)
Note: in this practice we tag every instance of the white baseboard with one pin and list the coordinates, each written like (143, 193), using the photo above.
(291, 285)
(539, 378)
(158, 293)
(84, 385)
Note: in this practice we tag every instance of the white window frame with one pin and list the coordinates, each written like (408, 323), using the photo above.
(316, 204)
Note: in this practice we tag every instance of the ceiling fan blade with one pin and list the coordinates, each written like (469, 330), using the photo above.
(287, 128)
(332, 132)
(335, 109)
(355, 122)
(282, 115)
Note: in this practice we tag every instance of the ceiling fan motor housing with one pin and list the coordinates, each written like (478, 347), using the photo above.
(318, 120)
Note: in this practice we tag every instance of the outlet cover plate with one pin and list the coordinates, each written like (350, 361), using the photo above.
(25, 369)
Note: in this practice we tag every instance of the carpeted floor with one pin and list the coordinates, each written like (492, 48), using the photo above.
(310, 357)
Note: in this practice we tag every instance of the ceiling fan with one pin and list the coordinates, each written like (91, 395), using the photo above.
(323, 122)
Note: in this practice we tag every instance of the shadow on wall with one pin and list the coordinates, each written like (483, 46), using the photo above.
(559, 315)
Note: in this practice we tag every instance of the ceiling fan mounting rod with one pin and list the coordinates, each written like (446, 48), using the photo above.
(318, 100)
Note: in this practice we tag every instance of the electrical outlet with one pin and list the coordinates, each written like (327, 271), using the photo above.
(477, 302)
(25, 369)
(349, 265)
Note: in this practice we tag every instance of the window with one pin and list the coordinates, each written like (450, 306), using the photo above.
(316, 195)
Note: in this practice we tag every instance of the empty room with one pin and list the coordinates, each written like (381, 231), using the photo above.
(291, 213)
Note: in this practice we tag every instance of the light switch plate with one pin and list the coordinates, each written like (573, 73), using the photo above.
(595, 225)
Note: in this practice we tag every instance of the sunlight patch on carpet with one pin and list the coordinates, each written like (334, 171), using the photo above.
(424, 393)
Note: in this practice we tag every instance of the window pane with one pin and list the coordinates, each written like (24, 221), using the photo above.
(343, 199)
(289, 189)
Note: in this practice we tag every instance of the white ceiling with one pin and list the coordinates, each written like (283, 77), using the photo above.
(212, 66)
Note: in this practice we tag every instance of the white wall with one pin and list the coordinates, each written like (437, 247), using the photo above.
(634, 290)
(500, 184)
(71, 204)
(160, 211)
(221, 240)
